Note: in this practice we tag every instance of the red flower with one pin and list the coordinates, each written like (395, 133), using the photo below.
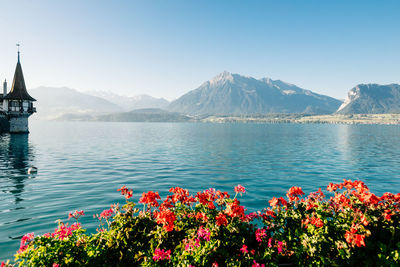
(244, 249)
(221, 219)
(260, 234)
(201, 216)
(388, 215)
(160, 254)
(181, 195)
(150, 198)
(240, 189)
(56, 265)
(235, 210)
(166, 218)
(359, 240)
(273, 202)
(317, 222)
(76, 214)
(207, 198)
(277, 202)
(105, 214)
(294, 193)
(26, 238)
(125, 192)
(331, 187)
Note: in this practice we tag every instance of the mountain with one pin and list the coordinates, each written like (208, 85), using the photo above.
(133, 102)
(53, 102)
(372, 99)
(144, 115)
(236, 94)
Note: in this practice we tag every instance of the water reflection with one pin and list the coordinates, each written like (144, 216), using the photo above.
(16, 156)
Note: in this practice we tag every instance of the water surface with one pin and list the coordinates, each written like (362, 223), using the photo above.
(82, 164)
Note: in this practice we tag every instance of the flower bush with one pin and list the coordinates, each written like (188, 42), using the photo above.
(350, 227)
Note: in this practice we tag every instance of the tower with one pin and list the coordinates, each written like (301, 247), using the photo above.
(18, 103)
(5, 88)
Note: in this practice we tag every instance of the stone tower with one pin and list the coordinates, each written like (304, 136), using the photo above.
(18, 103)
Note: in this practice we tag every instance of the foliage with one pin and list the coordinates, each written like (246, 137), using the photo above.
(351, 227)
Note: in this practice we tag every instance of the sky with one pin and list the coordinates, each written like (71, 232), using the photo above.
(167, 48)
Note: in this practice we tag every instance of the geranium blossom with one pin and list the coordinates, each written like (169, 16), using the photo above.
(150, 198)
(204, 233)
(294, 193)
(244, 249)
(161, 254)
(106, 214)
(240, 189)
(167, 218)
(24, 240)
(76, 214)
(221, 220)
(260, 235)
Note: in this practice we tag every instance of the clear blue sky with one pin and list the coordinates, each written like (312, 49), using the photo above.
(166, 48)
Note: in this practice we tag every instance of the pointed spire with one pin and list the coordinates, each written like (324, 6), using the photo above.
(18, 88)
(18, 45)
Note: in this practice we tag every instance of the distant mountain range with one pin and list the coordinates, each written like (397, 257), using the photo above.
(129, 103)
(53, 102)
(63, 102)
(236, 94)
(225, 94)
(372, 99)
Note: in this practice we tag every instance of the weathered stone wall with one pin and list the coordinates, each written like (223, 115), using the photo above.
(4, 124)
(19, 125)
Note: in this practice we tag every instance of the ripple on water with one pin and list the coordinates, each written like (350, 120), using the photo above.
(82, 164)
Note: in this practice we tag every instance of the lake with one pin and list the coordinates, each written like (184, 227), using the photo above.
(81, 165)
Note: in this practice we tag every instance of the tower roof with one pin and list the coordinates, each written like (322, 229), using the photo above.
(18, 88)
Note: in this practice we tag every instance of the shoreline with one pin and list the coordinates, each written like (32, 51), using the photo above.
(379, 119)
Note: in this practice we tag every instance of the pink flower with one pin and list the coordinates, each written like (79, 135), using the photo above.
(106, 214)
(270, 242)
(244, 249)
(63, 231)
(26, 238)
(255, 264)
(161, 254)
(76, 214)
(47, 235)
(260, 234)
(204, 233)
(191, 244)
(280, 245)
(56, 265)
(240, 189)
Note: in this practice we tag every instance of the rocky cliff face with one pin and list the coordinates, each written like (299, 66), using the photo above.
(230, 93)
(372, 99)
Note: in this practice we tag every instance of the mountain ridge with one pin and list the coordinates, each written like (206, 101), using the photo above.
(229, 93)
(372, 98)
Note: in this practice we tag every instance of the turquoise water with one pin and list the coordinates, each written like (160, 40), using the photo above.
(82, 164)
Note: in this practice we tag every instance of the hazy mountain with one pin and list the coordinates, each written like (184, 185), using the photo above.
(372, 99)
(235, 94)
(53, 102)
(144, 115)
(133, 102)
